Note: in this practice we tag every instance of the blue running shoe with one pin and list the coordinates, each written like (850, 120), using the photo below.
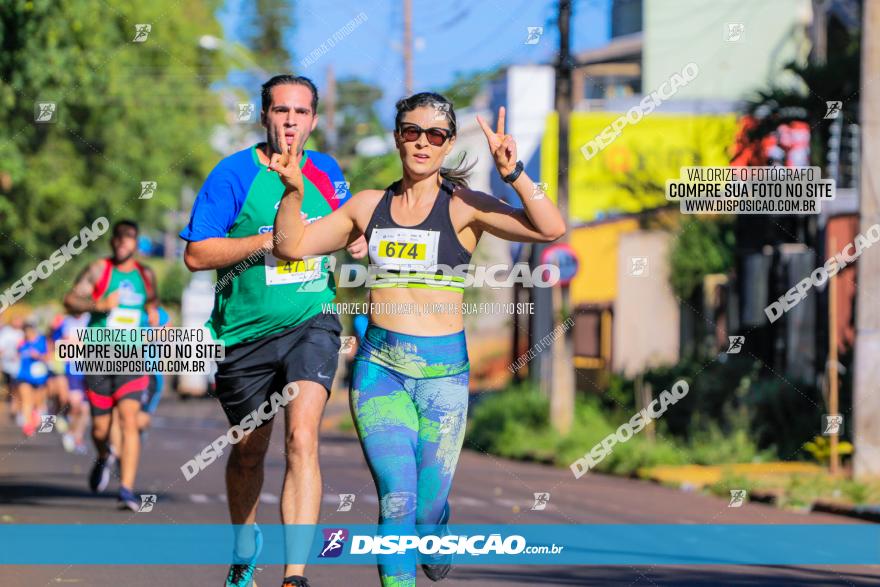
(241, 571)
(127, 500)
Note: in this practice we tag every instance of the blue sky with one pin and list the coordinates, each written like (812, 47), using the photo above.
(453, 36)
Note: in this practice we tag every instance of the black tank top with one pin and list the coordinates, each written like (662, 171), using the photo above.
(428, 255)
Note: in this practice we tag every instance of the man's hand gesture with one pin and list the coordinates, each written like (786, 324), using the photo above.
(286, 165)
(502, 146)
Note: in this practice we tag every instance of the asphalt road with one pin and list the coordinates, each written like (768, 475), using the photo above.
(40, 483)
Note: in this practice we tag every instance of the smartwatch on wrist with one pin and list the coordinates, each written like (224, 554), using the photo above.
(511, 177)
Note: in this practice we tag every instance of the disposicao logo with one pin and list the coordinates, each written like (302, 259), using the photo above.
(334, 542)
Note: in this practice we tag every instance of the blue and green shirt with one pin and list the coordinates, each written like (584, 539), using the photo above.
(262, 295)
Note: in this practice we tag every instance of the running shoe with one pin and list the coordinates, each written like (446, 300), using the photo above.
(61, 425)
(127, 500)
(241, 571)
(438, 572)
(68, 442)
(100, 475)
(296, 581)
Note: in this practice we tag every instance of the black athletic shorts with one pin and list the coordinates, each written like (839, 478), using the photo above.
(253, 371)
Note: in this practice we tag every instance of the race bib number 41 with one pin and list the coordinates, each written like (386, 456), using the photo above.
(280, 272)
(404, 248)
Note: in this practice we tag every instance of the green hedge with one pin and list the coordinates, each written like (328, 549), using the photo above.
(516, 424)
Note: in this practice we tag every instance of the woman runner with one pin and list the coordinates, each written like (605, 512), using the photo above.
(409, 390)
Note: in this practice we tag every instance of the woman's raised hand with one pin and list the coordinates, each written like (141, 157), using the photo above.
(502, 146)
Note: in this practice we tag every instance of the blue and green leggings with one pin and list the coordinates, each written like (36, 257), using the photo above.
(409, 398)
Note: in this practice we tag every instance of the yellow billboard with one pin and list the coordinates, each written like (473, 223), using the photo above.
(629, 174)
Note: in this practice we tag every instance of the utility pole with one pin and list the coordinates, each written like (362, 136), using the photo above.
(866, 399)
(407, 48)
(834, 460)
(331, 110)
(562, 385)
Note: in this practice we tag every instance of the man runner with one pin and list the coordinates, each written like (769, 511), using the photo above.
(117, 291)
(269, 313)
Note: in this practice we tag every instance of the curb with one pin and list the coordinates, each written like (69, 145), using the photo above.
(859, 512)
(867, 513)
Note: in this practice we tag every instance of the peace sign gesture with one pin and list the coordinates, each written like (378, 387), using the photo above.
(502, 146)
(286, 166)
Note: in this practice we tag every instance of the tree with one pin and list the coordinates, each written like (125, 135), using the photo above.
(125, 112)
(466, 86)
(265, 32)
(356, 116)
(836, 79)
(702, 247)
(357, 119)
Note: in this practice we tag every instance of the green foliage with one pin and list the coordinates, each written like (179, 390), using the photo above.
(620, 393)
(800, 490)
(126, 112)
(730, 480)
(859, 493)
(172, 283)
(739, 393)
(465, 87)
(785, 414)
(780, 103)
(640, 453)
(356, 118)
(715, 393)
(803, 490)
(702, 247)
(820, 449)
(266, 29)
(373, 172)
(712, 446)
(516, 424)
(592, 425)
(356, 114)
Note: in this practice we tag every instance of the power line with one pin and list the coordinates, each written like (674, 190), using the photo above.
(513, 16)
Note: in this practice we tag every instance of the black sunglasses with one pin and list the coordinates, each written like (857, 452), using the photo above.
(411, 132)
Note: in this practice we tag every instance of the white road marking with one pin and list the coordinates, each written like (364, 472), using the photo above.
(467, 501)
(509, 503)
(268, 498)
